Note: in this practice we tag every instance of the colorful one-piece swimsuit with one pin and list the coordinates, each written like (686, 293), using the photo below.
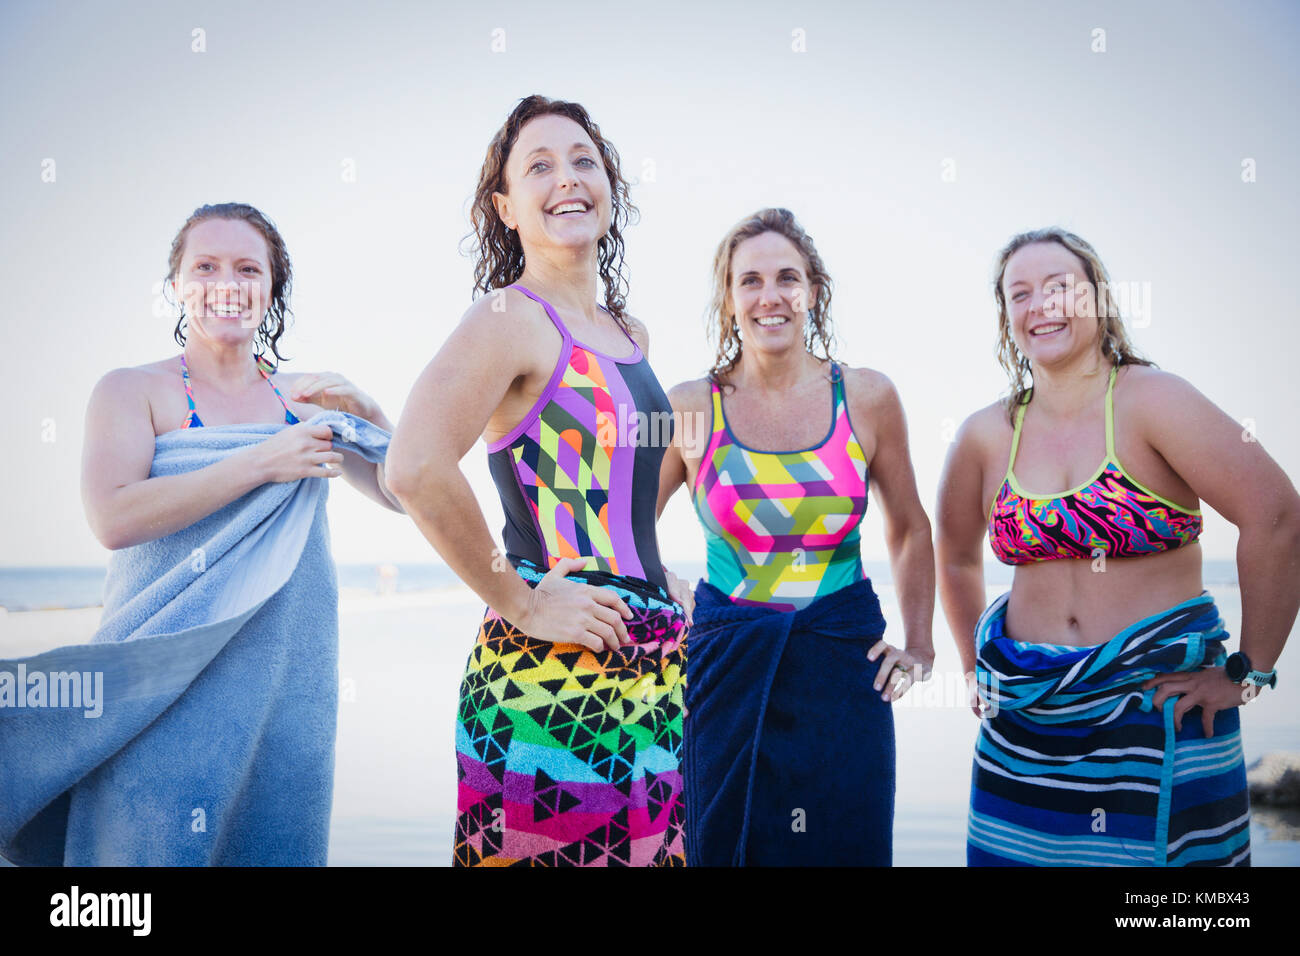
(783, 719)
(566, 756)
(781, 528)
(192, 419)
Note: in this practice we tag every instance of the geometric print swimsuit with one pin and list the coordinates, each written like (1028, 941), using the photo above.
(568, 756)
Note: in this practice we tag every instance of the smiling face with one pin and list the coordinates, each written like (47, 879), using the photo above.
(1051, 305)
(224, 280)
(557, 188)
(769, 293)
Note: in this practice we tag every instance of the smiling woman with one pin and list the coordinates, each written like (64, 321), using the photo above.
(790, 732)
(1111, 732)
(569, 730)
(219, 635)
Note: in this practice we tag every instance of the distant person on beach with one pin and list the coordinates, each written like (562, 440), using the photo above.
(218, 642)
(1110, 732)
(789, 732)
(570, 725)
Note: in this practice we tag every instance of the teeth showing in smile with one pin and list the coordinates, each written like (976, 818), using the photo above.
(569, 207)
(769, 320)
(1048, 329)
(226, 311)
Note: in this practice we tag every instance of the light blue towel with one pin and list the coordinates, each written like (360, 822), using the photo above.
(218, 652)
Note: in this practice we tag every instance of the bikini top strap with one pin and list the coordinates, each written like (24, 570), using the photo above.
(261, 367)
(185, 376)
(1015, 431)
(1110, 415)
(563, 329)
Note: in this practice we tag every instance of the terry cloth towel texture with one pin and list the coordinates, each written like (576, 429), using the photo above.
(1076, 767)
(789, 749)
(218, 651)
(569, 757)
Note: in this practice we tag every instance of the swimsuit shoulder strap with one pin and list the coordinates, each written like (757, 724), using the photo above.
(837, 387)
(1110, 416)
(266, 368)
(1015, 434)
(635, 344)
(563, 329)
(719, 416)
(185, 377)
(192, 416)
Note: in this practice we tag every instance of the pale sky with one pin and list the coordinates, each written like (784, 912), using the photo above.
(1139, 149)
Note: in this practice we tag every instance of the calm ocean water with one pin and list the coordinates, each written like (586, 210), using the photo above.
(42, 588)
(35, 589)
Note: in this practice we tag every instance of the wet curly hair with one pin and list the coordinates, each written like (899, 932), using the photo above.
(498, 253)
(818, 330)
(1112, 336)
(278, 312)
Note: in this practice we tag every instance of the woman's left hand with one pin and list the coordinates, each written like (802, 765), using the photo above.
(1210, 689)
(336, 393)
(680, 591)
(899, 670)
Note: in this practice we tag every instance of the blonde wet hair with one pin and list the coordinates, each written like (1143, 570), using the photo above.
(1112, 336)
(722, 326)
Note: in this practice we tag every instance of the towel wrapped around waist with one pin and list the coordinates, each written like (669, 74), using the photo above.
(1076, 768)
(789, 748)
(214, 673)
(570, 757)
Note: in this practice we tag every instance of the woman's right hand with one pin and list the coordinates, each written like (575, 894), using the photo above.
(979, 706)
(567, 612)
(299, 451)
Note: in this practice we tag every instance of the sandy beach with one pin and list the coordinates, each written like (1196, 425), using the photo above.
(400, 663)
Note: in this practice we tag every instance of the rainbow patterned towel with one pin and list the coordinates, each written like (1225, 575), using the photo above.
(568, 757)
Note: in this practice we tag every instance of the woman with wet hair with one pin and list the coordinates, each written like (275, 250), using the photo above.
(569, 731)
(1110, 732)
(218, 646)
(789, 733)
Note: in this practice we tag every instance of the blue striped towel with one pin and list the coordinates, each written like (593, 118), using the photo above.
(1076, 767)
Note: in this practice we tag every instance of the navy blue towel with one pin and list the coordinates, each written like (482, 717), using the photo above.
(789, 750)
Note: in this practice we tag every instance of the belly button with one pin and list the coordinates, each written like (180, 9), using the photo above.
(1074, 623)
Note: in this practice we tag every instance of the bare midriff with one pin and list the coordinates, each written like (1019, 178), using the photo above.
(1078, 602)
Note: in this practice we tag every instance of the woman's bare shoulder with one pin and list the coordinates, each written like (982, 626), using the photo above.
(985, 432)
(691, 396)
(137, 378)
(869, 384)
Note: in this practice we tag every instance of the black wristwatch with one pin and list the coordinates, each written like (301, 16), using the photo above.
(1240, 671)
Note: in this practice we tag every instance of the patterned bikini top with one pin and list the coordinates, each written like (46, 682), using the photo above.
(192, 419)
(1109, 514)
(782, 527)
(579, 475)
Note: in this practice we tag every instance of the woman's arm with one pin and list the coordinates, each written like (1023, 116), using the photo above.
(907, 528)
(337, 393)
(126, 507)
(672, 470)
(449, 406)
(368, 478)
(1230, 471)
(961, 520)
